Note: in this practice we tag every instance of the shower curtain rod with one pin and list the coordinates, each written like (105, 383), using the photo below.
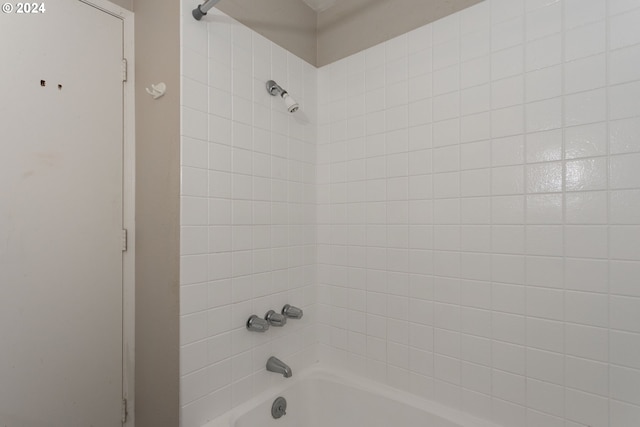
(202, 9)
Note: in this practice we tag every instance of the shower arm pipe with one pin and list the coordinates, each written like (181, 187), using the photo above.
(274, 89)
(202, 9)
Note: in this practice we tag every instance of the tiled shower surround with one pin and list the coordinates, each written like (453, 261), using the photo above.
(248, 214)
(459, 213)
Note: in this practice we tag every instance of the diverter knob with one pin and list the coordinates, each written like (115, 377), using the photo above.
(275, 319)
(292, 312)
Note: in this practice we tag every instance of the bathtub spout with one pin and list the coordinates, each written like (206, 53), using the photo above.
(278, 366)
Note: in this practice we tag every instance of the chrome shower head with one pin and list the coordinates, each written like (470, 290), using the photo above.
(274, 89)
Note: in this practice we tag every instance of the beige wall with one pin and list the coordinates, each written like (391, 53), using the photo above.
(127, 4)
(288, 23)
(351, 26)
(157, 34)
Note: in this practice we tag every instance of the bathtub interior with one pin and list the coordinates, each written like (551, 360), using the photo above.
(321, 402)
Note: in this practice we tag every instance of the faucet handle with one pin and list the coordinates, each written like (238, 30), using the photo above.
(292, 312)
(275, 319)
(257, 324)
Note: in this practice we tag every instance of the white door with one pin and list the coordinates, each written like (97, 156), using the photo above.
(61, 213)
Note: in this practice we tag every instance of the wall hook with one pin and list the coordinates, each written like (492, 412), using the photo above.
(157, 90)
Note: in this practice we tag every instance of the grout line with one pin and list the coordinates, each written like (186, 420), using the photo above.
(491, 200)
(607, 73)
(564, 202)
(459, 224)
(433, 209)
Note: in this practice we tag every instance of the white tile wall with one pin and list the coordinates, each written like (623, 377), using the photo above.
(479, 212)
(248, 217)
(457, 210)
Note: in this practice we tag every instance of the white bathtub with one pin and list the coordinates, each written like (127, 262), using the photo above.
(322, 398)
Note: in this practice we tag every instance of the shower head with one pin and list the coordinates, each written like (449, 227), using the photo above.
(274, 89)
(292, 105)
(202, 9)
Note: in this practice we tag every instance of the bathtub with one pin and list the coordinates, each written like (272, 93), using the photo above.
(320, 397)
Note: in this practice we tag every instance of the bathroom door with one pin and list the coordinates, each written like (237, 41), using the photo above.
(61, 216)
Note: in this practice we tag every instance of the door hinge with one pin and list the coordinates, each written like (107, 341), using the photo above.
(125, 240)
(124, 69)
(125, 411)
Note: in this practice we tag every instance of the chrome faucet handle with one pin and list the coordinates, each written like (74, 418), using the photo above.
(257, 324)
(292, 312)
(275, 319)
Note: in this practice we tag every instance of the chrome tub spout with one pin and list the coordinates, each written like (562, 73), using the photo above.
(278, 366)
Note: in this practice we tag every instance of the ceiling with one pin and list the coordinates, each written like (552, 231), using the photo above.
(319, 5)
(350, 26)
(324, 31)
